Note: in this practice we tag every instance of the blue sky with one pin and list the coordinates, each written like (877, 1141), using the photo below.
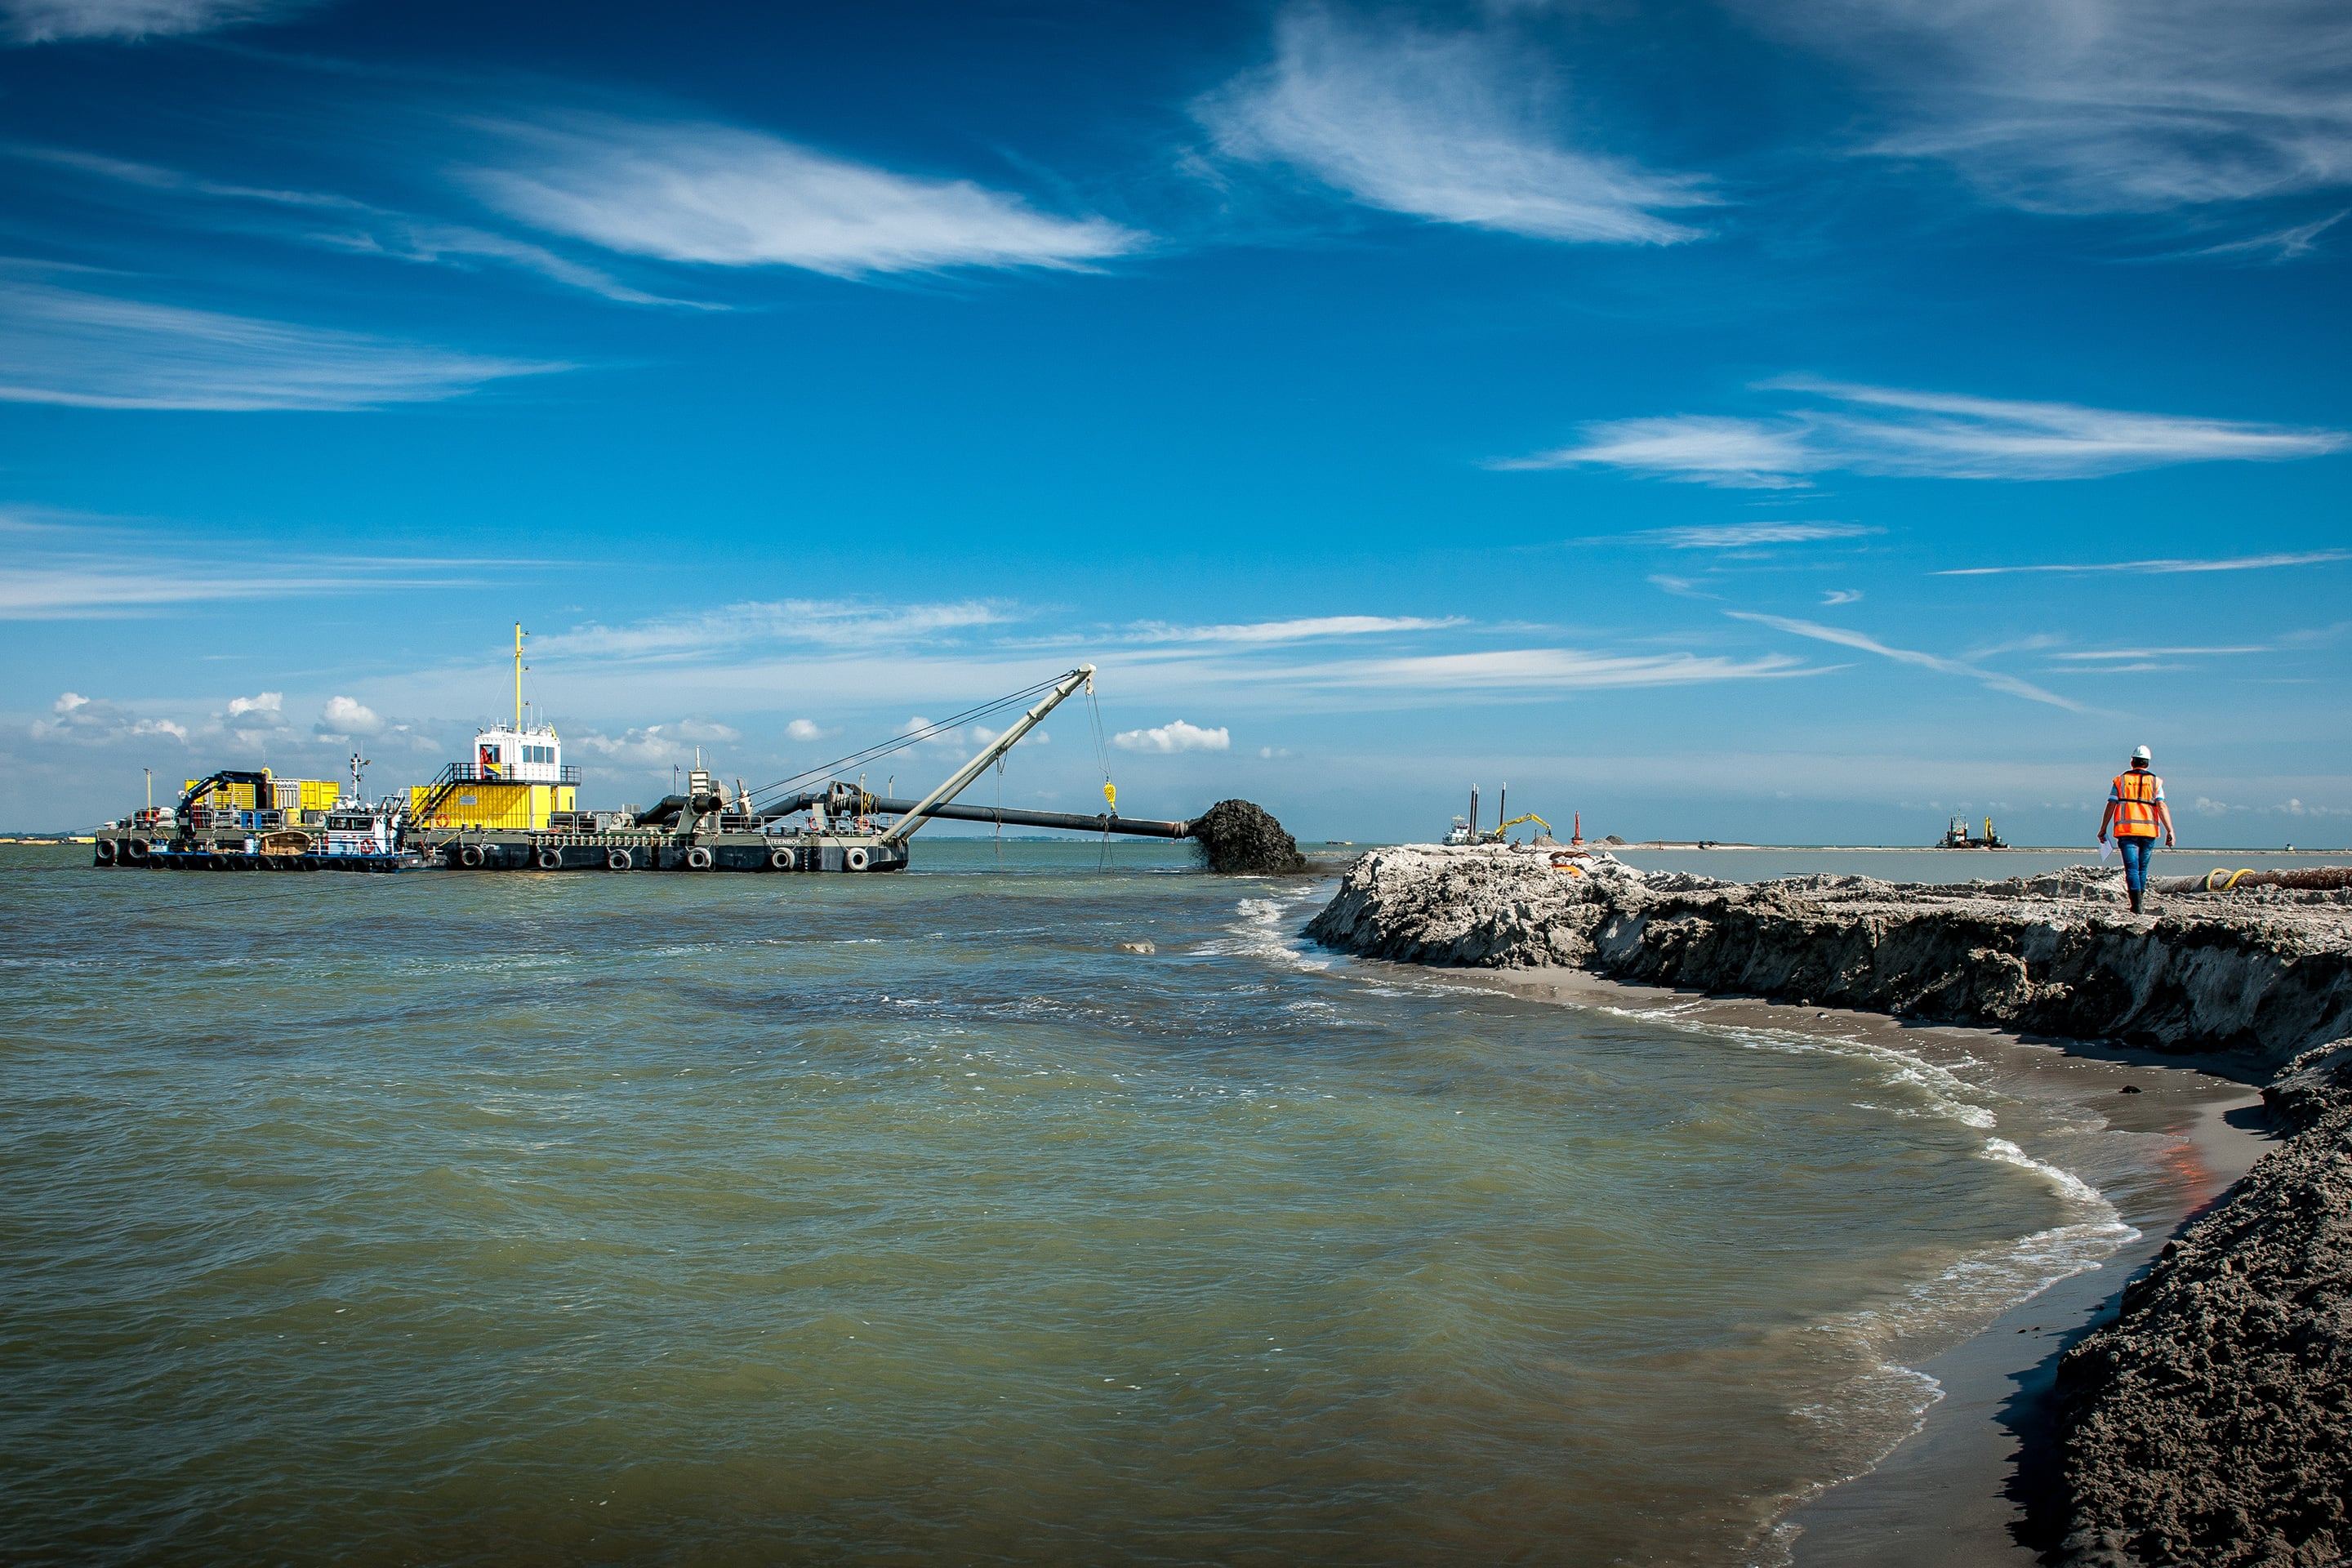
(1728, 420)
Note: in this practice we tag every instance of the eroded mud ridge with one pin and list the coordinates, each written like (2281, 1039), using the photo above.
(2210, 1422)
(2268, 973)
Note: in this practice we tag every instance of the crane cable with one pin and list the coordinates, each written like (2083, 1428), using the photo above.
(912, 737)
(1109, 789)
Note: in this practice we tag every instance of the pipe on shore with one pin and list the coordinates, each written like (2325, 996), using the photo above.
(2312, 879)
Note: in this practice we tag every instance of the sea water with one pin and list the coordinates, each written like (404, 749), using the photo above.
(461, 1217)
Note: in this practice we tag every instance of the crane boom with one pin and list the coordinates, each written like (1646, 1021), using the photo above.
(957, 781)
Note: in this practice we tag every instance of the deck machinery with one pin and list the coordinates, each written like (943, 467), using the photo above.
(832, 827)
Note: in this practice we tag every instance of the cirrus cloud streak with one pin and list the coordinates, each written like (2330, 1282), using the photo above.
(1891, 432)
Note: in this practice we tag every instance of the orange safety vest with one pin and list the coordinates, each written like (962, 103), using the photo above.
(2135, 796)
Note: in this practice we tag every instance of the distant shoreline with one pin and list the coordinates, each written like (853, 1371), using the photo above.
(1712, 845)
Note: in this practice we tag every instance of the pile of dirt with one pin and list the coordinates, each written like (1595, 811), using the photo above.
(2208, 1424)
(1239, 839)
(2051, 955)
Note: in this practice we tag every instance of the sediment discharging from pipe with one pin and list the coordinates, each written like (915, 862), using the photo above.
(1239, 839)
(2208, 1423)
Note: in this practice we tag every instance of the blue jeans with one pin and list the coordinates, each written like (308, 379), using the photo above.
(2136, 853)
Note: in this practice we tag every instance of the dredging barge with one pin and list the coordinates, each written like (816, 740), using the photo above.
(832, 825)
(514, 808)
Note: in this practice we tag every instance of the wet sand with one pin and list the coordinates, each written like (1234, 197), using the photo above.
(1975, 1483)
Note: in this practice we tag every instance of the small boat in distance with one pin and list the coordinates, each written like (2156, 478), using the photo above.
(1956, 837)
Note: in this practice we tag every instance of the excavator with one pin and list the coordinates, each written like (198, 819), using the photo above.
(1468, 831)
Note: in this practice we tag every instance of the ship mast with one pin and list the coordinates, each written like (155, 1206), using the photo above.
(519, 670)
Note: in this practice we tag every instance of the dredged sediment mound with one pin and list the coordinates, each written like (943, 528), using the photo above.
(2266, 975)
(1240, 838)
(2210, 1423)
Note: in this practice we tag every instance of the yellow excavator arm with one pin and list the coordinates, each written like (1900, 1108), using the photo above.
(1494, 834)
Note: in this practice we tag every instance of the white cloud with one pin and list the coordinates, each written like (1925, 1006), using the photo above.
(400, 238)
(1541, 670)
(2108, 655)
(2289, 244)
(1174, 736)
(2088, 106)
(318, 218)
(1307, 629)
(982, 735)
(96, 568)
(48, 21)
(1747, 454)
(1922, 435)
(348, 716)
(1681, 587)
(724, 196)
(951, 738)
(804, 729)
(1750, 535)
(98, 351)
(1842, 597)
(262, 714)
(87, 720)
(2165, 567)
(1844, 639)
(1454, 126)
(653, 745)
(2291, 807)
(827, 623)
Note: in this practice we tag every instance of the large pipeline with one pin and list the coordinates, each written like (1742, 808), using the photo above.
(1006, 816)
(2308, 879)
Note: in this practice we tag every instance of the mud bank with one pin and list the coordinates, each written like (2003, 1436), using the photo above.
(2260, 977)
(2209, 1422)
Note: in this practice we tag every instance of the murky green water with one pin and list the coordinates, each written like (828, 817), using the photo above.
(485, 1219)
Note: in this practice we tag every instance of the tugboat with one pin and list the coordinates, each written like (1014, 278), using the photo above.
(240, 820)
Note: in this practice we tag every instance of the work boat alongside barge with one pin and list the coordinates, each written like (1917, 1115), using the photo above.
(512, 806)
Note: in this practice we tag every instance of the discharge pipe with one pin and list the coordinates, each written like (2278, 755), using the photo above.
(1014, 817)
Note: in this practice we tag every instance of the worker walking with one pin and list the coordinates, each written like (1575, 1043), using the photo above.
(2136, 812)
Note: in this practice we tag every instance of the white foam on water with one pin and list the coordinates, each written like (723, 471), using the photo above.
(1267, 929)
(1960, 1300)
(1943, 1091)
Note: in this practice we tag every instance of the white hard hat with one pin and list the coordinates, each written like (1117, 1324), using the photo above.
(2142, 754)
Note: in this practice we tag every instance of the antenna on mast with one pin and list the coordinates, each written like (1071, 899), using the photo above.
(520, 668)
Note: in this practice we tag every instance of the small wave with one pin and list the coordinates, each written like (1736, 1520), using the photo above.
(2068, 1184)
(1267, 929)
(1945, 1092)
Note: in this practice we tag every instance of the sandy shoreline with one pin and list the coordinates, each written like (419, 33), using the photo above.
(1953, 1493)
(2188, 1428)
